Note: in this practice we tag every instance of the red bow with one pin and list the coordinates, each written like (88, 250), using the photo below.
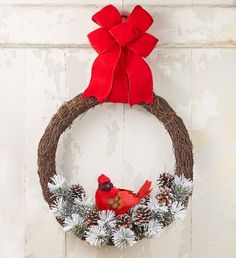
(119, 73)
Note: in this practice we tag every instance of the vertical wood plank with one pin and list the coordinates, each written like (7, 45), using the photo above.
(128, 144)
(158, 2)
(214, 138)
(94, 144)
(214, 2)
(148, 147)
(45, 91)
(12, 142)
(60, 2)
(69, 26)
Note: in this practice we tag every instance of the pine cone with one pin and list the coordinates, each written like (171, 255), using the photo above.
(92, 217)
(165, 196)
(76, 191)
(140, 231)
(124, 220)
(142, 215)
(165, 179)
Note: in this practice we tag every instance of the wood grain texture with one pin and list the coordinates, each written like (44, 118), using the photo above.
(45, 87)
(67, 3)
(182, 2)
(45, 59)
(59, 2)
(103, 125)
(68, 27)
(213, 133)
(12, 142)
(143, 129)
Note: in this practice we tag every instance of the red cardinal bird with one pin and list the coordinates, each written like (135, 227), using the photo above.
(108, 197)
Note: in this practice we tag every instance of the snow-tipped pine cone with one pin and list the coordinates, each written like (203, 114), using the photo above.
(92, 217)
(142, 215)
(76, 191)
(165, 179)
(124, 220)
(164, 196)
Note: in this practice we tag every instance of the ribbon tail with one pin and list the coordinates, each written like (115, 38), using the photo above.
(120, 84)
(140, 80)
(102, 74)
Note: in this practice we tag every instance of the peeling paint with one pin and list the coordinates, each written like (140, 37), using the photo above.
(204, 109)
(45, 59)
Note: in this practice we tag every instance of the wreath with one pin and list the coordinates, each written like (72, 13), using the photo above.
(119, 74)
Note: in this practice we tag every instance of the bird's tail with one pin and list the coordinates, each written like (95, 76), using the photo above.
(144, 190)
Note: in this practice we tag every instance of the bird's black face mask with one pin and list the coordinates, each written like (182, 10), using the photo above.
(105, 187)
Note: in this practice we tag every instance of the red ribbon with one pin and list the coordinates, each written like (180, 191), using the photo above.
(119, 73)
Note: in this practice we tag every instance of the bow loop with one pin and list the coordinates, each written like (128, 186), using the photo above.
(119, 73)
(140, 18)
(107, 17)
(101, 40)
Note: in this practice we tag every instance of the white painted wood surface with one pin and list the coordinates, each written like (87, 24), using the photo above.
(45, 59)
(68, 27)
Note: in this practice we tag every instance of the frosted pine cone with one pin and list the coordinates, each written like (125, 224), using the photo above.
(92, 217)
(142, 215)
(124, 220)
(76, 191)
(165, 179)
(165, 196)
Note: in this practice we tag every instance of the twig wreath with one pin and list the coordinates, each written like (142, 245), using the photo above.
(118, 217)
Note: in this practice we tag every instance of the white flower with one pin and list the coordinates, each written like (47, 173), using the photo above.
(71, 222)
(96, 236)
(178, 210)
(154, 228)
(57, 182)
(124, 237)
(107, 219)
(154, 206)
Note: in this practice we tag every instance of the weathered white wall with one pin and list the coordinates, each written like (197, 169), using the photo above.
(45, 59)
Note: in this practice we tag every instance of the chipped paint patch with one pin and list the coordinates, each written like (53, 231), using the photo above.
(204, 109)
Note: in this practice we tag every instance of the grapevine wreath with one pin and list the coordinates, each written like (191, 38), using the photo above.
(119, 74)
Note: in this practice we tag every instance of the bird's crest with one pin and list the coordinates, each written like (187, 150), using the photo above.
(102, 179)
